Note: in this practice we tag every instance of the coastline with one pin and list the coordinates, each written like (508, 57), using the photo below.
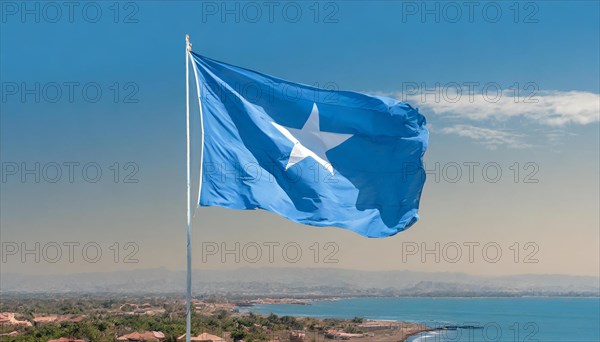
(419, 334)
(415, 337)
(371, 330)
(436, 315)
(386, 330)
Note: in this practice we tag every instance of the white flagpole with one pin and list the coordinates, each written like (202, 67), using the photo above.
(188, 303)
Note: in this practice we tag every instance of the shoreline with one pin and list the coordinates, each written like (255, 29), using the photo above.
(424, 333)
(308, 300)
(372, 330)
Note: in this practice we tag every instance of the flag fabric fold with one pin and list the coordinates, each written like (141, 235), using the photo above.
(320, 157)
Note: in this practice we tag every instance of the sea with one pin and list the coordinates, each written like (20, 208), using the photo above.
(467, 319)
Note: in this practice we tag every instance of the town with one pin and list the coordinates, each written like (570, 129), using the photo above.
(83, 318)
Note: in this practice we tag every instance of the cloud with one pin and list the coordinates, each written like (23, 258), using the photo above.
(550, 108)
(490, 138)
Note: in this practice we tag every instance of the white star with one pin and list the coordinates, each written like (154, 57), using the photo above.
(310, 141)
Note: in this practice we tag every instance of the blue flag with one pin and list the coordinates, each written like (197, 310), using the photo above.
(321, 157)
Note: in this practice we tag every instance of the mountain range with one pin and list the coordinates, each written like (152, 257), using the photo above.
(291, 282)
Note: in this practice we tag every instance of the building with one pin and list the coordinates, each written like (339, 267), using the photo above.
(152, 336)
(204, 337)
(297, 336)
(45, 319)
(8, 318)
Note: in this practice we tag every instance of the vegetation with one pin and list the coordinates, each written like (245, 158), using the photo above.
(358, 320)
(105, 318)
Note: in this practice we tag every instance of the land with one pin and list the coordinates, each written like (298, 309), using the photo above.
(304, 282)
(109, 317)
(147, 305)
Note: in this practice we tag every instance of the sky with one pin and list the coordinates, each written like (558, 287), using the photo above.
(93, 131)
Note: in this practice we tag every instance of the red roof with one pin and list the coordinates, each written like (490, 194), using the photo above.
(204, 337)
(145, 336)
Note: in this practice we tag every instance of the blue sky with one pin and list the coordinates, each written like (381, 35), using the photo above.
(549, 50)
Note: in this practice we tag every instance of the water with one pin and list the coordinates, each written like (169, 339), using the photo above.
(496, 319)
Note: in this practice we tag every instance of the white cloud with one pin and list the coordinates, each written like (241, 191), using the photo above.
(490, 138)
(551, 108)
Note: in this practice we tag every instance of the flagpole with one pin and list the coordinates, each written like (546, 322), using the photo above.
(188, 302)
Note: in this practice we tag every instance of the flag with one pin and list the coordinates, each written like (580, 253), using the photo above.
(320, 157)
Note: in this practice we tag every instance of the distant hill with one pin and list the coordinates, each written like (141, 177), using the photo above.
(303, 282)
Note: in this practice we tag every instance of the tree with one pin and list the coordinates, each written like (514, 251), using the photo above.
(238, 334)
(358, 320)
